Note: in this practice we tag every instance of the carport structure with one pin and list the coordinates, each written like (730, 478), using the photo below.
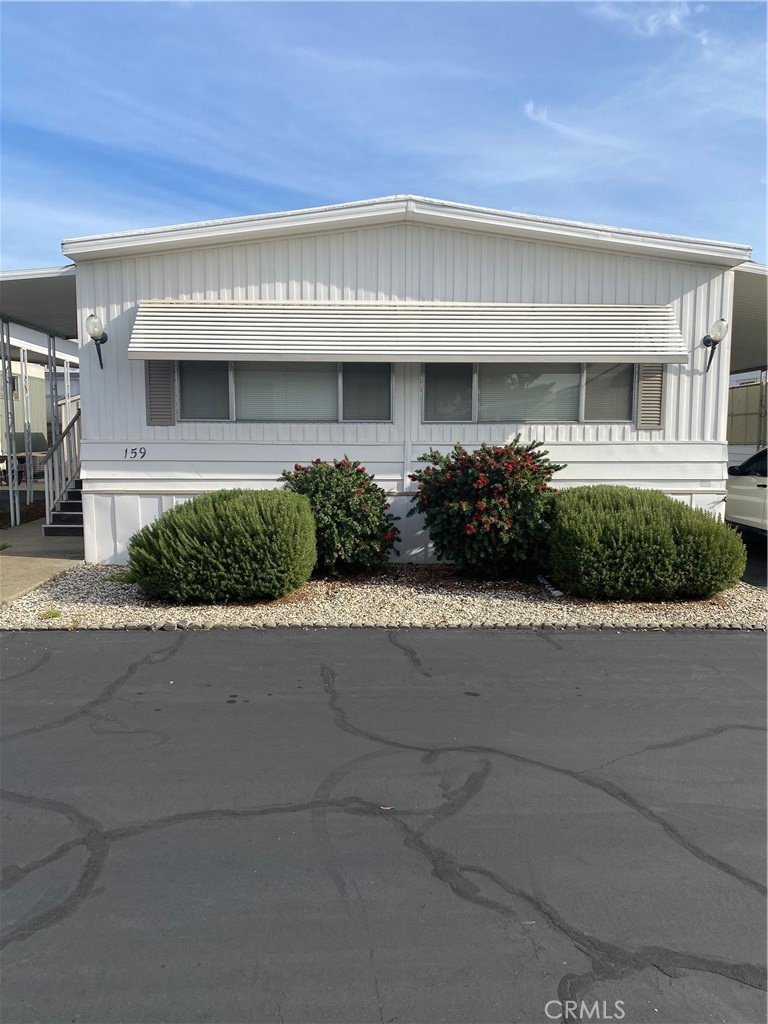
(748, 397)
(39, 328)
(749, 347)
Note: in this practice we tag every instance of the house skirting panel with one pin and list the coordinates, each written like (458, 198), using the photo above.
(111, 520)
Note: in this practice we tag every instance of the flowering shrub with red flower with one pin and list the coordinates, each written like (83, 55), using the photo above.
(485, 510)
(355, 529)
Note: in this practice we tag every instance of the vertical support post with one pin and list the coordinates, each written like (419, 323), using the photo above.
(67, 391)
(26, 414)
(53, 388)
(9, 422)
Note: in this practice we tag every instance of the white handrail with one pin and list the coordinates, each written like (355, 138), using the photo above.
(61, 466)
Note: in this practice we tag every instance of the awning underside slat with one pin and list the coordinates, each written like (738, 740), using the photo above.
(406, 332)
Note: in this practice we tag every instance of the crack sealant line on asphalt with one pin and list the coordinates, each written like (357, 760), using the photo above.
(603, 785)
(103, 698)
(608, 960)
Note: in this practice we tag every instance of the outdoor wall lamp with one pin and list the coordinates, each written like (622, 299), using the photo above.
(95, 329)
(717, 332)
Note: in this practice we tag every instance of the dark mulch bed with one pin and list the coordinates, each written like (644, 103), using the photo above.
(29, 513)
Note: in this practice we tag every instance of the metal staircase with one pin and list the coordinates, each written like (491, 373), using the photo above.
(66, 520)
(63, 487)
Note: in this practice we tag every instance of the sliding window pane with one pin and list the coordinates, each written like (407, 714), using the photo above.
(279, 392)
(367, 390)
(448, 392)
(204, 391)
(528, 392)
(609, 391)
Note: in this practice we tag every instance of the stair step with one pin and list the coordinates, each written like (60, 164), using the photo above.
(62, 530)
(66, 519)
(70, 505)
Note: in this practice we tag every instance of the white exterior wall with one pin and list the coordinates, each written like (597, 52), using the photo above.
(396, 263)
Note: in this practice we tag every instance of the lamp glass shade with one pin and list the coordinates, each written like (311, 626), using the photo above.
(719, 329)
(94, 326)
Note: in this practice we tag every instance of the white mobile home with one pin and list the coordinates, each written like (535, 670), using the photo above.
(383, 328)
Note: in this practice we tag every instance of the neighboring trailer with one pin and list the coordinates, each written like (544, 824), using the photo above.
(222, 308)
(38, 408)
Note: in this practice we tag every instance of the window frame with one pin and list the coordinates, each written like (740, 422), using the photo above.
(233, 401)
(475, 401)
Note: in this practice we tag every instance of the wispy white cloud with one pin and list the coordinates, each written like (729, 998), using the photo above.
(624, 115)
(423, 68)
(655, 19)
(340, 64)
(540, 115)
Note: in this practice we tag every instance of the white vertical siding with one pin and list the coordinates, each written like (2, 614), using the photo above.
(407, 263)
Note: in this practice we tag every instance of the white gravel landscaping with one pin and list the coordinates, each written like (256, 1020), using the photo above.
(89, 597)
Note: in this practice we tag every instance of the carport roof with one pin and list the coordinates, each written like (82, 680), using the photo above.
(42, 299)
(750, 318)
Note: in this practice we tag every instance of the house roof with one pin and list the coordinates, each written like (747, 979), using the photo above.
(405, 209)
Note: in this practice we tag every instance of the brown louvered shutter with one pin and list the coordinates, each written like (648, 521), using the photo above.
(161, 393)
(650, 396)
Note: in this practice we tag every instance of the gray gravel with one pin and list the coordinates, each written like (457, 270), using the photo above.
(89, 597)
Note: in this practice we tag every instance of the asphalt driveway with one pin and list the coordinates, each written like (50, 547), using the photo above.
(354, 826)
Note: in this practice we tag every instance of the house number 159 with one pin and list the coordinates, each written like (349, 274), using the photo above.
(135, 453)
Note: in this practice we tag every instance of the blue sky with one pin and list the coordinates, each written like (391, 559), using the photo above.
(129, 115)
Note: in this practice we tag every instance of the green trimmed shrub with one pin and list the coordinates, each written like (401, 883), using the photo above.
(486, 510)
(355, 529)
(633, 544)
(233, 545)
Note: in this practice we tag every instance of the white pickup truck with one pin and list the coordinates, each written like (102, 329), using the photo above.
(747, 493)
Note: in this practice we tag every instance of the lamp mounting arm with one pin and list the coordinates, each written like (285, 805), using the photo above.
(717, 333)
(98, 342)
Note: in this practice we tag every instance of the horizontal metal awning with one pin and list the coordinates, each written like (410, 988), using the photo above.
(438, 332)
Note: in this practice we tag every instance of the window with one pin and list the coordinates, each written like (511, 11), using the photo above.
(608, 391)
(528, 392)
(448, 391)
(279, 392)
(203, 391)
(756, 466)
(366, 391)
(14, 388)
